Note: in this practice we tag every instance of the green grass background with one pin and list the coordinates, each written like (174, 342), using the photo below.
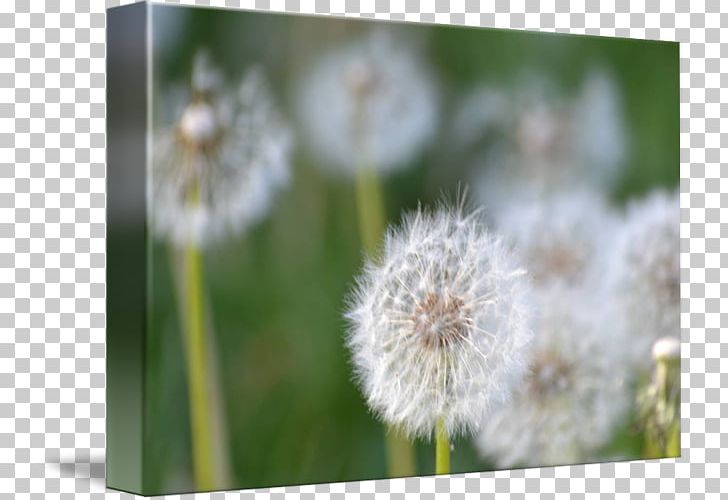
(276, 294)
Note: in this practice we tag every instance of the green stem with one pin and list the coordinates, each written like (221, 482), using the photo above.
(663, 433)
(673, 441)
(370, 208)
(651, 448)
(400, 454)
(442, 448)
(198, 370)
(199, 382)
(670, 394)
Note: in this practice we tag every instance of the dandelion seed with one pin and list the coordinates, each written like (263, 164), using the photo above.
(217, 166)
(573, 397)
(644, 277)
(372, 102)
(438, 327)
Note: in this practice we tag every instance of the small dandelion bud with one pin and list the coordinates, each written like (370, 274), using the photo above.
(659, 402)
(666, 349)
(438, 324)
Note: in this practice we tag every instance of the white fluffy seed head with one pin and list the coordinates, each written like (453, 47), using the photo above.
(216, 168)
(537, 141)
(438, 324)
(573, 398)
(563, 238)
(666, 349)
(644, 276)
(370, 102)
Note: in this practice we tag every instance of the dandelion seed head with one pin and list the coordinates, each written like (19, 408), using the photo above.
(564, 237)
(372, 102)
(572, 399)
(437, 325)
(542, 142)
(550, 374)
(539, 130)
(644, 278)
(219, 157)
(362, 78)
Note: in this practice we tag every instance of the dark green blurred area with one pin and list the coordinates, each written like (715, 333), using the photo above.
(276, 294)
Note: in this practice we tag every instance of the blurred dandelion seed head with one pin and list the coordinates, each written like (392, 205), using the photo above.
(573, 398)
(644, 282)
(539, 142)
(219, 160)
(438, 325)
(373, 102)
(550, 374)
(362, 79)
(539, 131)
(564, 237)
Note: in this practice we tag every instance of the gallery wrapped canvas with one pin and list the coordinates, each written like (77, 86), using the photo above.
(343, 250)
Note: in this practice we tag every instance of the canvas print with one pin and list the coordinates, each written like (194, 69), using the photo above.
(343, 250)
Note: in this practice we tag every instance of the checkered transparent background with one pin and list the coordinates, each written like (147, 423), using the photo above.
(52, 198)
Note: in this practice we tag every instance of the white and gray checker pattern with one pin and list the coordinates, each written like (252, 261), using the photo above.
(52, 196)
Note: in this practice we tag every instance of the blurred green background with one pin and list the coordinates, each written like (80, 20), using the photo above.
(276, 294)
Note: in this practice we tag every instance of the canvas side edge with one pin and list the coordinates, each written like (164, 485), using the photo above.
(127, 100)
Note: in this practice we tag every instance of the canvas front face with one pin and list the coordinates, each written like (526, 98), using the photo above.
(344, 250)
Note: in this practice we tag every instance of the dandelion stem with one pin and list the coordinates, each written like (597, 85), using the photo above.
(663, 436)
(442, 448)
(673, 441)
(197, 365)
(668, 371)
(370, 208)
(400, 453)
